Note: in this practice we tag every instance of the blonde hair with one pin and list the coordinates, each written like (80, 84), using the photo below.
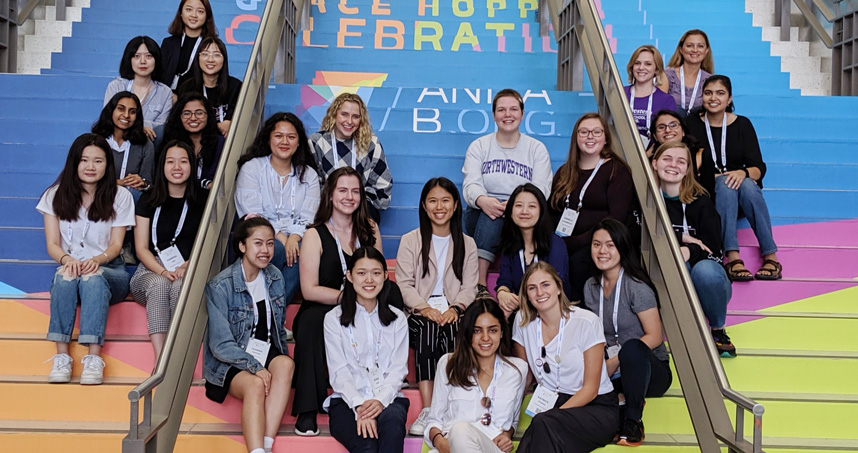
(528, 311)
(689, 188)
(363, 135)
(656, 55)
(708, 63)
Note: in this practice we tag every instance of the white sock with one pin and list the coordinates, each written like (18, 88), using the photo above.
(257, 450)
(267, 442)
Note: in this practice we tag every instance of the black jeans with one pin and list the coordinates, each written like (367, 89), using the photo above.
(642, 375)
(390, 424)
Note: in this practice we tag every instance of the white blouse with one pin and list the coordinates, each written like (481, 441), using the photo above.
(289, 208)
(582, 331)
(82, 238)
(347, 363)
(452, 404)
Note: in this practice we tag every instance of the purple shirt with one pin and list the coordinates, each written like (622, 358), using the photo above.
(660, 101)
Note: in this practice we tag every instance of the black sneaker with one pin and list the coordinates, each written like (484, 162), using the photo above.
(483, 291)
(632, 433)
(723, 343)
(306, 424)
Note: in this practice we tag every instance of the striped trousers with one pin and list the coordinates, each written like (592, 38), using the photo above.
(430, 341)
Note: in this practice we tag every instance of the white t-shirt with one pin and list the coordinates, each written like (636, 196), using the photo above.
(256, 288)
(441, 244)
(94, 236)
(582, 331)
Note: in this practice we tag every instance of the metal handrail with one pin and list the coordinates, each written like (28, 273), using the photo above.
(27, 10)
(582, 41)
(782, 18)
(162, 413)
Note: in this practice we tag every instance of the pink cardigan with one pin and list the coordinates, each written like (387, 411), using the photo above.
(417, 288)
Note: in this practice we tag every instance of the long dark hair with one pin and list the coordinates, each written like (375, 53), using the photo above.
(160, 191)
(105, 126)
(177, 27)
(196, 84)
(348, 298)
(689, 140)
(261, 146)
(69, 194)
(361, 223)
(126, 71)
(174, 129)
(455, 226)
(511, 238)
(462, 366)
(630, 258)
(244, 228)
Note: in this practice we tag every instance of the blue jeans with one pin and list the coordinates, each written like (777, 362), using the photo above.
(749, 197)
(290, 274)
(485, 231)
(713, 290)
(94, 292)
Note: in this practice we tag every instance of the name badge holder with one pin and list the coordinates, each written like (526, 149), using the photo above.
(374, 373)
(337, 154)
(340, 252)
(171, 257)
(543, 398)
(257, 348)
(613, 349)
(176, 77)
(438, 302)
(78, 254)
(567, 222)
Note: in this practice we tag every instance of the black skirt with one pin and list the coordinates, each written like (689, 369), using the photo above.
(218, 394)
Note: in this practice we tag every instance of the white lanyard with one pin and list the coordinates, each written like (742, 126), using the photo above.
(178, 227)
(340, 247)
(616, 304)
(648, 104)
(685, 228)
(682, 89)
(723, 167)
(220, 111)
(586, 185)
(521, 254)
(125, 149)
(256, 310)
(337, 153)
(557, 356)
(82, 237)
(190, 62)
(280, 188)
(369, 340)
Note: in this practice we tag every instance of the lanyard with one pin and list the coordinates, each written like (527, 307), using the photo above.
(648, 104)
(723, 167)
(190, 62)
(682, 89)
(521, 255)
(178, 227)
(616, 304)
(586, 185)
(256, 310)
(337, 153)
(369, 340)
(220, 111)
(82, 237)
(559, 338)
(280, 188)
(340, 247)
(124, 149)
(684, 220)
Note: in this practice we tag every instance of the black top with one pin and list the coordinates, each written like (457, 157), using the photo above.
(233, 87)
(171, 210)
(330, 269)
(704, 223)
(175, 57)
(609, 195)
(743, 148)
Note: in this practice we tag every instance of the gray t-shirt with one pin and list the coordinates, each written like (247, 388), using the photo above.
(635, 297)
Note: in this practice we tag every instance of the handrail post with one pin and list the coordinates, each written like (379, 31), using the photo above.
(782, 13)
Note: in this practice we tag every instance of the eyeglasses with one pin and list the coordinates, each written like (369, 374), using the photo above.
(486, 419)
(586, 133)
(197, 113)
(545, 366)
(664, 127)
(215, 55)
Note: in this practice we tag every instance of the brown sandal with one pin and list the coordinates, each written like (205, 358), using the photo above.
(770, 273)
(742, 275)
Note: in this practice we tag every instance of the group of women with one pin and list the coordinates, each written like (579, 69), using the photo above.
(309, 210)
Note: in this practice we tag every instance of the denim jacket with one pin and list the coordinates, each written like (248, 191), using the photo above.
(231, 319)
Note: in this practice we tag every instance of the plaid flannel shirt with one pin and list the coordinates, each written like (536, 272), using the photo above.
(373, 167)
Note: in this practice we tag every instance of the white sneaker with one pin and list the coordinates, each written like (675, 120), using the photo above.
(420, 424)
(61, 370)
(289, 335)
(93, 370)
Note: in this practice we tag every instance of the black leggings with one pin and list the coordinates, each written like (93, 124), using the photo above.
(642, 375)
